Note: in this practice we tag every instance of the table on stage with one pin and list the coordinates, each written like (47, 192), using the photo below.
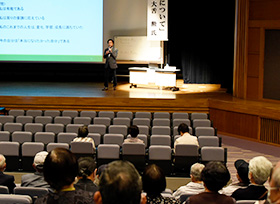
(160, 77)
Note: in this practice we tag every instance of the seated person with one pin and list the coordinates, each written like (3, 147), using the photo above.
(83, 136)
(242, 168)
(215, 176)
(195, 186)
(185, 138)
(86, 175)
(154, 183)
(36, 179)
(259, 171)
(99, 171)
(5, 179)
(133, 131)
(60, 169)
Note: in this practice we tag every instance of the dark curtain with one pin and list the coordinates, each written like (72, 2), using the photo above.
(201, 40)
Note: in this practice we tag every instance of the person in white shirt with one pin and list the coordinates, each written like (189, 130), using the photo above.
(185, 138)
(83, 136)
(133, 131)
(195, 186)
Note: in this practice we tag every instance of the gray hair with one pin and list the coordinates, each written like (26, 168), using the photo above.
(276, 176)
(196, 170)
(260, 167)
(2, 161)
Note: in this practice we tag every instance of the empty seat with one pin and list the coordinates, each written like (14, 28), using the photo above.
(82, 120)
(96, 137)
(71, 113)
(45, 137)
(125, 114)
(11, 152)
(52, 113)
(24, 119)
(161, 130)
(143, 129)
(102, 120)
(73, 127)
(97, 128)
(201, 123)
(246, 201)
(28, 151)
(4, 136)
(180, 115)
(34, 127)
(205, 131)
(161, 122)
(178, 121)
(91, 114)
(11, 199)
(4, 190)
(55, 128)
(160, 140)
(107, 153)
(122, 121)
(6, 119)
(118, 129)
(43, 119)
(134, 153)
(21, 137)
(199, 116)
(34, 113)
(16, 113)
(82, 149)
(52, 146)
(66, 137)
(212, 141)
(33, 192)
(113, 139)
(213, 154)
(161, 115)
(65, 120)
(143, 115)
(106, 114)
(141, 121)
(12, 127)
(161, 156)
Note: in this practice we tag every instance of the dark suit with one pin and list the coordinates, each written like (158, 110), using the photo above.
(110, 65)
(7, 180)
(252, 192)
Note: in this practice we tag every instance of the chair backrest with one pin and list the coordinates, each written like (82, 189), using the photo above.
(82, 120)
(12, 127)
(199, 116)
(34, 113)
(43, 119)
(122, 121)
(143, 129)
(113, 139)
(9, 148)
(24, 119)
(178, 121)
(4, 136)
(53, 145)
(55, 128)
(21, 137)
(161, 122)
(34, 127)
(180, 115)
(125, 114)
(118, 129)
(45, 137)
(161, 115)
(52, 113)
(65, 120)
(160, 140)
(212, 141)
(201, 123)
(73, 128)
(4, 190)
(82, 147)
(91, 114)
(6, 119)
(185, 196)
(71, 113)
(246, 201)
(186, 150)
(102, 120)
(212, 154)
(161, 130)
(133, 149)
(159, 152)
(108, 114)
(108, 151)
(66, 137)
(97, 128)
(30, 149)
(204, 131)
(96, 137)
(143, 115)
(141, 121)
(12, 199)
(33, 192)
(16, 112)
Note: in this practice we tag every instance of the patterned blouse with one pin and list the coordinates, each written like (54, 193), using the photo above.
(162, 200)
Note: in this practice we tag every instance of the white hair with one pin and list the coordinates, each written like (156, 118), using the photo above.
(196, 170)
(2, 161)
(260, 167)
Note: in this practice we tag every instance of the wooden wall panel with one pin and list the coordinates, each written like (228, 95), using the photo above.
(254, 40)
(264, 10)
(253, 88)
(253, 65)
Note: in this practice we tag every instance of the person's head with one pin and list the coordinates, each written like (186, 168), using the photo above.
(242, 168)
(120, 183)
(87, 168)
(196, 170)
(83, 131)
(215, 176)
(60, 168)
(259, 170)
(273, 195)
(110, 42)
(183, 128)
(133, 130)
(2, 162)
(39, 160)
(99, 171)
(153, 180)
